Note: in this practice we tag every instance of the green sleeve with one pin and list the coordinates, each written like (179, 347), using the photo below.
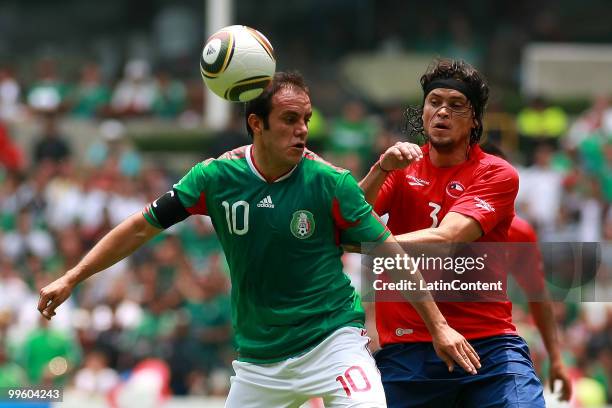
(191, 193)
(192, 188)
(354, 216)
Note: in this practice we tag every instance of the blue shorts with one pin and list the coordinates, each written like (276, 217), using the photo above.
(414, 376)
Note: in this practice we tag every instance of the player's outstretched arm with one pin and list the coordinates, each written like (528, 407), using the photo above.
(449, 344)
(454, 227)
(120, 242)
(397, 156)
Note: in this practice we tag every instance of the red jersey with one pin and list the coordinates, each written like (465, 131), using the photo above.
(419, 196)
(521, 231)
(529, 268)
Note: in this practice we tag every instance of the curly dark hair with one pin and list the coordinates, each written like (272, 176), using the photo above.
(450, 69)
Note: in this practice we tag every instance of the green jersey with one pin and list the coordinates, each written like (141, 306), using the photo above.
(282, 243)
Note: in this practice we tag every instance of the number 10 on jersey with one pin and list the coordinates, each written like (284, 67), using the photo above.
(232, 216)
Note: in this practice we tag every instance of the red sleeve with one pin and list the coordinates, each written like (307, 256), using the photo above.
(525, 258)
(386, 194)
(490, 198)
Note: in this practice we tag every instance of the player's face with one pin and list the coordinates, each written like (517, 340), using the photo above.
(285, 138)
(448, 118)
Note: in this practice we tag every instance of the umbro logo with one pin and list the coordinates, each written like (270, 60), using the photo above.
(266, 202)
(399, 332)
(480, 203)
(415, 181)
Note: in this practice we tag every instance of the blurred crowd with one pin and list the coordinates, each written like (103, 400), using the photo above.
(170, 300)
(139, 91)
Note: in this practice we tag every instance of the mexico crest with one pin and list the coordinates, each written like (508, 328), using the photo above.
(302, 224)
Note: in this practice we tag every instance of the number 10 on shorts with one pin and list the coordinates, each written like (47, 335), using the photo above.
(354, 379)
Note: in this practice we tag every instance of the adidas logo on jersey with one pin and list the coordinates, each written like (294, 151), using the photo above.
(266, 202)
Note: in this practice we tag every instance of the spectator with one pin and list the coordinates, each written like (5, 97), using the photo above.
(11, 374)
(27, 239)
(540, 123)
(51, 145)
(208, 305)
(14, 291)
(539, 195)
(183, 359)
(90, 96)
(171, 97)
(596, 123)
(96, 378)
(48, 93)
(114, 148)
(126, 199)
(10, 109)
(64, 197)
(136, 92)
(352, 137)
(40, 353)
(596, 155)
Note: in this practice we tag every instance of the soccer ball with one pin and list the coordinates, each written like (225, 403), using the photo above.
(237, 63)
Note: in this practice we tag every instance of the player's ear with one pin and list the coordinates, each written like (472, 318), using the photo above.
(256, 124)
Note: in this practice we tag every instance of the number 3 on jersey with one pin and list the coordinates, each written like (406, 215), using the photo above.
(232, 217)
(434, 214)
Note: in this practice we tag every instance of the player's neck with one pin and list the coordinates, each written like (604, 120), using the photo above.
(448, 158)
(269, 168)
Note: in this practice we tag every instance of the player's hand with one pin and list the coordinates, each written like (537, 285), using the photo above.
(452, 347)
(556, 372)
(53, 295)
(400, 155)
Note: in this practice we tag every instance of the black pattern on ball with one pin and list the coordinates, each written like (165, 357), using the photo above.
(247, 84)
(263, 41)
(224, 55)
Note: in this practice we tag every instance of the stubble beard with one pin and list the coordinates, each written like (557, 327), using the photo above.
(443, 145)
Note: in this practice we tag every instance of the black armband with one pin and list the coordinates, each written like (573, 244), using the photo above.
(167, 210)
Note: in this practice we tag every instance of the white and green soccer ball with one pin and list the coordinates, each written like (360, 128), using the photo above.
(237, 63)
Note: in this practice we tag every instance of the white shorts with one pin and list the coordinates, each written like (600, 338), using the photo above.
(340, 370)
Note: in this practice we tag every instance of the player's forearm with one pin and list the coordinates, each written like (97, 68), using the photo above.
(120, 242)
(420, 299)
(543, 316)
(425, 236)
(431, 315)
(455, 227)
(372, 183)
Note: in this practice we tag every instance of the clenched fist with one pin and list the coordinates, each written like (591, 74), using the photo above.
(53, 295)
(399, 156)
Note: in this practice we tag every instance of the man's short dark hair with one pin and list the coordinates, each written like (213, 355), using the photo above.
(459, 70)
(262, 105)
